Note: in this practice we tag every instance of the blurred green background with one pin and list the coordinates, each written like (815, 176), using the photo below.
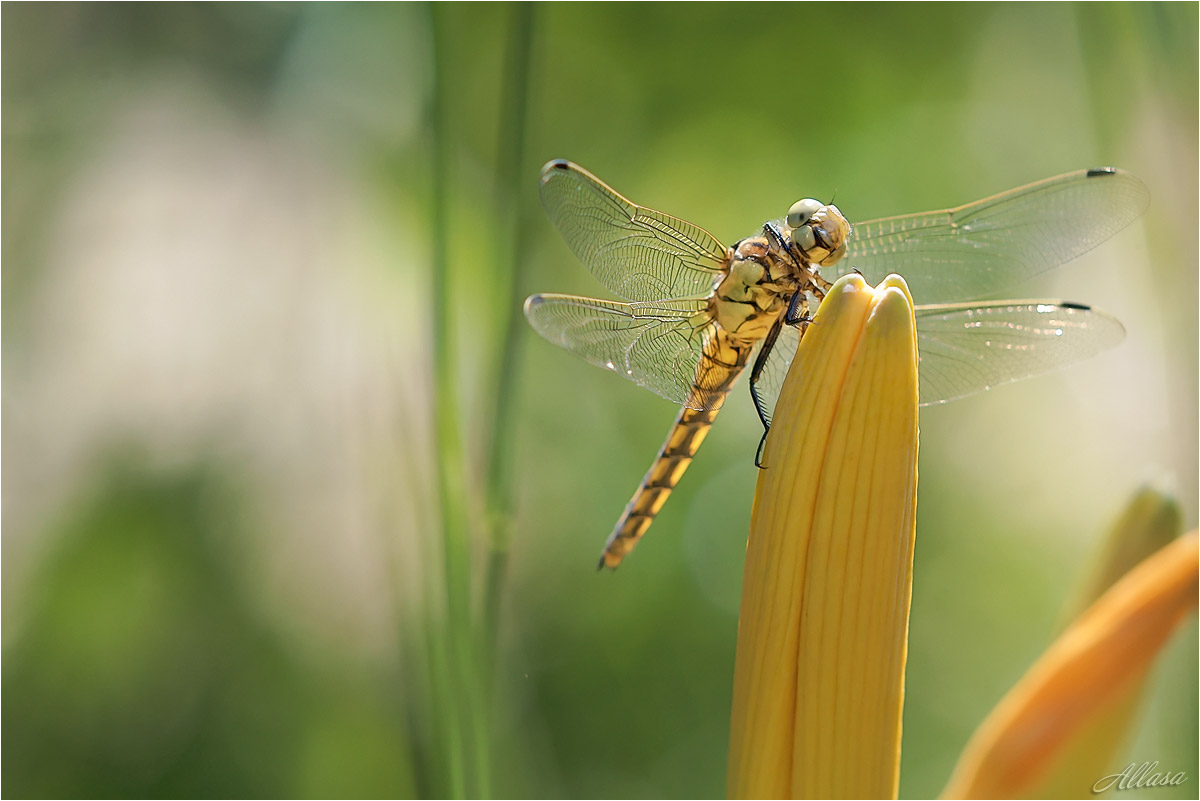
(224, 566)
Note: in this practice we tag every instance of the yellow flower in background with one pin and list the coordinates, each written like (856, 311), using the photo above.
(1150, 521)
(1048, 723)
(1085, 675)
(823, 629)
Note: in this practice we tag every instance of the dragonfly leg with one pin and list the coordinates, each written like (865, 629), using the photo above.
(822, 284)
(798, 317)
(760, 362)
(797, 311)
(785, 244)
(762, 445)
(756, 372)
(772, 231)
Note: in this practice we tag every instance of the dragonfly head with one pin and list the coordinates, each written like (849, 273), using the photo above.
(819, 231)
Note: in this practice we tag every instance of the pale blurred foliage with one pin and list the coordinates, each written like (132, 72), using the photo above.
(213, 290)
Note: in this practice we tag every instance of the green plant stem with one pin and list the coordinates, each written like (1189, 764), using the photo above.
(514, 102)
(458, 659)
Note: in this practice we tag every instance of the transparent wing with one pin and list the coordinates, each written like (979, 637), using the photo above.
(770, 381)
(655, 345)
(970, 347)
(638, 253)
(992, 244)
(967, 348)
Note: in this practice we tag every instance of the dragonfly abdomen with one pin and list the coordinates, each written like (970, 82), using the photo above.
(675, 456)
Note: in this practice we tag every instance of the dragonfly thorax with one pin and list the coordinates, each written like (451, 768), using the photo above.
(753, 291)
(765, 271)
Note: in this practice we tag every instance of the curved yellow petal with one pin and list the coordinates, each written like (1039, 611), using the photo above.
(822, 635)
(1152, 519)
(1087, 672)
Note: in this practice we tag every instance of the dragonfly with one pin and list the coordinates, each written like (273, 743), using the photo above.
(696, 313)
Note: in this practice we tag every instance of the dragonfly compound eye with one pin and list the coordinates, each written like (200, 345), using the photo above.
(801, 211)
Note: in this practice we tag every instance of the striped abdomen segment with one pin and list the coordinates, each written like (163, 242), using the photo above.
(714, 378)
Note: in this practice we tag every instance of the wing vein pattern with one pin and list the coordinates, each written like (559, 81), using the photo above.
(658, 345)
(987, 246)
(969, 347)
(638, 253)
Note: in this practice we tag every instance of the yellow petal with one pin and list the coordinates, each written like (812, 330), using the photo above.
(1088, 671)
(822, 635)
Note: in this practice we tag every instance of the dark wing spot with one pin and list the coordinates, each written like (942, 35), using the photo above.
(1095, 172)
(551, 166)
(1080, 306)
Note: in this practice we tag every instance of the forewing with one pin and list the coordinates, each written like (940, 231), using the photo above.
(992, 244)
(967, 348)
(638, 253)
(656, 345)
